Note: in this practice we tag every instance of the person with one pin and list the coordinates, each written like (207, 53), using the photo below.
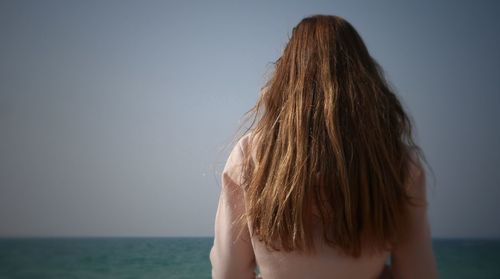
(329, 182)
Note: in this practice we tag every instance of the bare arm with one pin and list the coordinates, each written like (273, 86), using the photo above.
(231, 257)
(414, 257)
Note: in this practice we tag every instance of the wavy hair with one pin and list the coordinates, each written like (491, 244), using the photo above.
(332, 143)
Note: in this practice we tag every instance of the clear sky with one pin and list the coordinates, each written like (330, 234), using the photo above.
(116, 117)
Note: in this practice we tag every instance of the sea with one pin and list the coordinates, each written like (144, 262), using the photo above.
(187, 257)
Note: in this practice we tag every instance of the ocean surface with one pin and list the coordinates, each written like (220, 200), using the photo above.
(92, 258)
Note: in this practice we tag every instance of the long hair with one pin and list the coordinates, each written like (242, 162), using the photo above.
(332, 141)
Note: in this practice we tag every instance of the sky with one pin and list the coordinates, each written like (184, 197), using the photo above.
(116, 117)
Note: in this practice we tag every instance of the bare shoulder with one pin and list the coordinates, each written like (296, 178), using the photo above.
(416, 167)
(234, 163)
(416, 183)
(245, 143)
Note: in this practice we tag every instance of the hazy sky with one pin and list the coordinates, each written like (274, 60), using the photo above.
(115, 116)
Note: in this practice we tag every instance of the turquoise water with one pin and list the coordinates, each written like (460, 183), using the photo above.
(186, 258)
(467, 258)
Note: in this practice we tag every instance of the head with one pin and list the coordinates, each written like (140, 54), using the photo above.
(332, 143)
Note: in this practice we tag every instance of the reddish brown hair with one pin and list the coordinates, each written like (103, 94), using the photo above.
(331, 140)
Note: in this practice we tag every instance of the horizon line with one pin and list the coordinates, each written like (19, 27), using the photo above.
(198, 236)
